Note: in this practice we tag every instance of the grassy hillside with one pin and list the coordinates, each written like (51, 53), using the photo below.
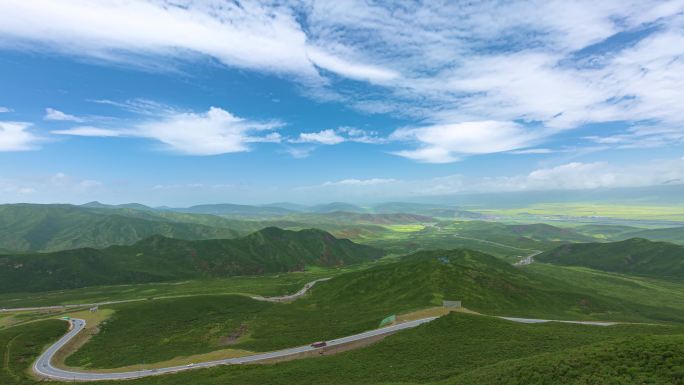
(671, 234)
(606, 232)
(536, 235)
(633, 360)
(358, 301)
(633, 256)
(21, 345)
(485, 284)
(450, 350)
(30, 227)
(501, 240)
(158, 259)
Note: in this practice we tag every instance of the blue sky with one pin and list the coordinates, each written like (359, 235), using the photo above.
(186, 102)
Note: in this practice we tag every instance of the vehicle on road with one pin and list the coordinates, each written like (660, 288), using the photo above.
(319, 344)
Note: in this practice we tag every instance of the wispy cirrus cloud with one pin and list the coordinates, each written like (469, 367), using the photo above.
(214, 132)
(57, 115)
(262, 36)
(551, 66)
(448, 142)
(544, 67)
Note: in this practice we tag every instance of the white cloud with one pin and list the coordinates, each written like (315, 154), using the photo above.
(445, 143)
(354, 134)
(331, 137)
(328, 137)
(299, 152)
(557, 70)
(352, 70)
(52, 114)
(215, 132)
(580, 176)
(46, 188)
(15, 136)
(360, 182)
(247, 35)
(140, 106)
(430, 154)
(89, 131)
(261, 36)
(569, 176)
(549, 66)
(4, 109)
(533, 151)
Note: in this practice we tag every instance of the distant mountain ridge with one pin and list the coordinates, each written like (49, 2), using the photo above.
(286, 208)
(631, 256)
(33, 227)
(158, 258)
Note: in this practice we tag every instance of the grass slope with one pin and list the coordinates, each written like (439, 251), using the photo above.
(355, 302)
(633, 256)
(21, 345)
(450, 350)
(633, 360)
(672, 234)
(163, 259)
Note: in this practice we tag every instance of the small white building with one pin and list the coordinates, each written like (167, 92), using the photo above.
(451, 304)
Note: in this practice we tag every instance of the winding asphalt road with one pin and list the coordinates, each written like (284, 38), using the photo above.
(291, 297)
(284, 298)
(44, 368)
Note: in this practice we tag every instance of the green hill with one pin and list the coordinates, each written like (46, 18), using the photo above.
(347, 304)
(671, 234)
(456, 349)
(634, 360)
(529, 236)
(33, 227)
(159, 258)
(54, 227)
(482, 282)
(350, 303)
(632, 256)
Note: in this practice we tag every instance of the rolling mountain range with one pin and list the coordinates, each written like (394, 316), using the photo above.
(285, 208)
(53, 227)
(158, 258)
(29, 227)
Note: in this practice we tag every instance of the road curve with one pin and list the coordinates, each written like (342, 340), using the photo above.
(284, 298)
(291, 297)
(43, 366)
